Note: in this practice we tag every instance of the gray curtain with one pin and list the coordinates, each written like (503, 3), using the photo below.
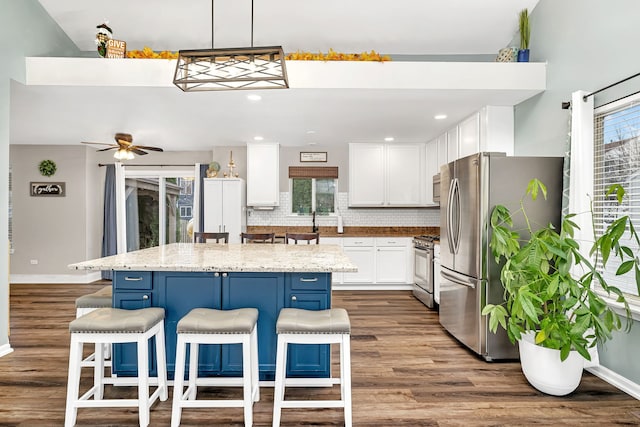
(203, 175)
(109, 225)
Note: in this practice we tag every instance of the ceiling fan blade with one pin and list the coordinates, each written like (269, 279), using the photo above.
(140, 152)
(146, 147)
(107, 149)
(95, 143)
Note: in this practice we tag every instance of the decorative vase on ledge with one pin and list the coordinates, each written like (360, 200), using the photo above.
(523, 55)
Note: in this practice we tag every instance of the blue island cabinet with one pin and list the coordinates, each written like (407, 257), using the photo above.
(179, 292)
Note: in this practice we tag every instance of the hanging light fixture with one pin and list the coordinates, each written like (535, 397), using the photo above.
(232, 68)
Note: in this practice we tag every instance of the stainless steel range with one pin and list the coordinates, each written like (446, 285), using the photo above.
(423, 269)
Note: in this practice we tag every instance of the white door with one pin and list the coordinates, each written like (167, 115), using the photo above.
(213, 202)
(233, 209)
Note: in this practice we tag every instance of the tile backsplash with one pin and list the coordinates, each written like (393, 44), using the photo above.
(372, 217)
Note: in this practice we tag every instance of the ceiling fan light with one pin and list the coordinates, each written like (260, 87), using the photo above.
(123, 154)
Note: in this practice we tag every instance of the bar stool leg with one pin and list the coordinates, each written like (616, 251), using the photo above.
(73, 384)
(192, 390)
(255, 374)
(98, 371)
(247, 380)
(278, 391)
(178, 381)
(161, 360)
(345, 377)
(143, 382)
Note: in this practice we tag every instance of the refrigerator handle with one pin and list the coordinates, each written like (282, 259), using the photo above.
(455, 201)
(449, 211)
(456, 279)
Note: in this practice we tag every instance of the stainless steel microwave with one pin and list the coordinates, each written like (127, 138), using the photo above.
(436, 188)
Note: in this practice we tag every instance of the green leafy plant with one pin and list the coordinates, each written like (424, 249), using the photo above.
(525, 30)
(542, 295)
(47, 167)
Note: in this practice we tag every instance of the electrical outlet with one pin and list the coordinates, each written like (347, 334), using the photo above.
(34, 262)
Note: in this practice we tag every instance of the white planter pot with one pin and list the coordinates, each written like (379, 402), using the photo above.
(545, 371)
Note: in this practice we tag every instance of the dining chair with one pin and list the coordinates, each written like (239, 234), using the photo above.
(200, 237)
(305, 237)
(257, 237)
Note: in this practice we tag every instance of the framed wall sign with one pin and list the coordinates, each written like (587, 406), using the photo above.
(49, 189)
(313, 156)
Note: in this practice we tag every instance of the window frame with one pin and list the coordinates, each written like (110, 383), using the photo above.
(313, 197)
(631, 101)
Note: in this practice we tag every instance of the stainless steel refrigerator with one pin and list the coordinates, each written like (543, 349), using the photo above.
(469, 277)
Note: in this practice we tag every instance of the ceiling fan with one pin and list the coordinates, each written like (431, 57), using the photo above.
(124, 145)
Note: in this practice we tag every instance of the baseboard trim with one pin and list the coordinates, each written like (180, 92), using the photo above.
(55, 278)
(370, 287)
(5, 349)
(616, 380)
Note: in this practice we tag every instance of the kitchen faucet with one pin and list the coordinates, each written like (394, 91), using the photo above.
(314, 228)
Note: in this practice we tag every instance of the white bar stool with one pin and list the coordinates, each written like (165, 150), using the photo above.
(296, 326)
(210, 326)
(114, 325)
(88, 303)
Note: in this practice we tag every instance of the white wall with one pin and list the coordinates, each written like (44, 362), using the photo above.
(25, 30)
(588, 44)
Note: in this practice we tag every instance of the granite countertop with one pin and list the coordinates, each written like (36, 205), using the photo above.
(227, 258)
(362, 231)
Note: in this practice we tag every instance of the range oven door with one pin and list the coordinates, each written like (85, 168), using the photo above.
(423, 275)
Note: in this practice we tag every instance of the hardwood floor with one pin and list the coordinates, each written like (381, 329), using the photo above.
(407, 371)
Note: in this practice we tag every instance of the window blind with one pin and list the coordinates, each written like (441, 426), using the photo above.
(617, 161)
(313, 172)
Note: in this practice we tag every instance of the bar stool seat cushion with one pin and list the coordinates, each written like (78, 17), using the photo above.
(116, 320)
(212, 321)
(98, 299)
(299, 321)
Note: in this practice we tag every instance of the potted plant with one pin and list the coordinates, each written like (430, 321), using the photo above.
(525, 32)
(548, 309)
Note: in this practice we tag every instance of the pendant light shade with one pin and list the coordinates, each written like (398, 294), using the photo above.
(231, 68)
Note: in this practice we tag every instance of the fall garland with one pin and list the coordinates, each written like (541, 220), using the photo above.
(148, 53)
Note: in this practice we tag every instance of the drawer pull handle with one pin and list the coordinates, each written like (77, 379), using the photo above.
(302, 279)
(145, 297)
(133, 279)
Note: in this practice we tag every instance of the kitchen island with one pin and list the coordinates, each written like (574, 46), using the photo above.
(183, 276)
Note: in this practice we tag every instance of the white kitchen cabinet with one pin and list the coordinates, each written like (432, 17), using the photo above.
(361, 251)
(336, 277)
(263, 174)
(366, 174)
(452, 144)
(469, 135)
(225, 207)
(405, 174)
(386, 175)
(432, 168)
(490, 129)
(443, 152)
(392, 260)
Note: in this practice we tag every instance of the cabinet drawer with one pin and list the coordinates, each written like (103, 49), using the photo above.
(308, 281)
(358, 241)
(391, 241)
(132, 280)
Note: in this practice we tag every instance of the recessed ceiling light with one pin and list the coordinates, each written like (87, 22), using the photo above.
(389, 139)
(312, 143)
(254, 97)
(311, 131)
(258, 138)
(440, 116)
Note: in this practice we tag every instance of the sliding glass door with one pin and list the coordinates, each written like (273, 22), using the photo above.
(159, 208)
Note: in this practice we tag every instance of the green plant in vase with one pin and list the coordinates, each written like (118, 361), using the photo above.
(525, 33)
(542, 296)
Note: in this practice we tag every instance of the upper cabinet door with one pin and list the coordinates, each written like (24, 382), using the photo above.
(431, 168)
(452, 145)
(442, 150)
(263, 174)
(366, 174)
(469, 138)
(406, 181)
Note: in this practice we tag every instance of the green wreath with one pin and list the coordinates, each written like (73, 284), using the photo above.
(47, 167)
